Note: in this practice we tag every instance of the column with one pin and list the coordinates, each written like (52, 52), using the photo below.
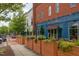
(65, 31)
(45, 31)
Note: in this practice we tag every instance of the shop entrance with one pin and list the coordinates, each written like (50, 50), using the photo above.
(73, 33)
(53, 33)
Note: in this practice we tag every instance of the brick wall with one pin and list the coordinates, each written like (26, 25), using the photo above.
(65, 9)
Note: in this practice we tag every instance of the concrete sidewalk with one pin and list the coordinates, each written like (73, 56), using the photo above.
(20, 50)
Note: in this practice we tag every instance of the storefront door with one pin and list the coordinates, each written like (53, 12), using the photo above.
(73, 33)
(53, 33)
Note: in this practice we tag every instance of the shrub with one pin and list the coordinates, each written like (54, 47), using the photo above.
(30, 37)
(41, 37)
(27, 37)
(77, 42)
(51, 39)
(66, 46)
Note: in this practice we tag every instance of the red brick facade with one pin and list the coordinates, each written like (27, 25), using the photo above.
(64, 9)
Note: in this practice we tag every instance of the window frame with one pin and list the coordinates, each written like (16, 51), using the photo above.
(49, 10)
(57, 7)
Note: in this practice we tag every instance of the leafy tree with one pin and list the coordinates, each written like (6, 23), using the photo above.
(6, 8)
(18, 23)
(3, 30)
(10, 7)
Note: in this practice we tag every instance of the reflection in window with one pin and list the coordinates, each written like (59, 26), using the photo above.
(72, 4)
(49, 10)
(57, 7)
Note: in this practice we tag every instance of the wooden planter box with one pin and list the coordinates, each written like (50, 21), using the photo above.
(61, 53)
(74, 52)
(37, 46)
(22, 40)
(49, 48)
(25, 42)
(18, 39)
(30, 43)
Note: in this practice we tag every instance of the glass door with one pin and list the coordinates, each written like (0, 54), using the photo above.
(73, 33)
(53, 33)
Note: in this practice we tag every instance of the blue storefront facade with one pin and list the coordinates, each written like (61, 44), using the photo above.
(65, 23)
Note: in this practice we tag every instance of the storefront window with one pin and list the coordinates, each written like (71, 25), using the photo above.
(57, 7)
(53, 33)
(49, 10)
(41, 30)
(73, 32)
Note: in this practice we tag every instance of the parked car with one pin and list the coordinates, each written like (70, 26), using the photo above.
(4, 39)
(1, 40)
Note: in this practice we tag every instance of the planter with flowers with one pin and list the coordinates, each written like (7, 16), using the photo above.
(37, 44)
(49, 47)
(18, 39)
(66, 48)
(30, 42)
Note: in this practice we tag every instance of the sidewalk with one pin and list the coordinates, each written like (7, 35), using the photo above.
(5, 50)
(20, 50)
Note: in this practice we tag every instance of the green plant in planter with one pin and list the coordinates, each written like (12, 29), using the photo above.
(32, 37)
(66, 46)
(51, 39)
(41, 37)
(77, 42)
(27, 37)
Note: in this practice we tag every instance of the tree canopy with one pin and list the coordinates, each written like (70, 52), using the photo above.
(6, 8)
(3, 30)
(17, 23)
(10, 7)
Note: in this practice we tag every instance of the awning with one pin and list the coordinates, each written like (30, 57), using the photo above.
(52, 27)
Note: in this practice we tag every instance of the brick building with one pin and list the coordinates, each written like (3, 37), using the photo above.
(58, 20)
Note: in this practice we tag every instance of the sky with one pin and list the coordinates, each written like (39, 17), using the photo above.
(27, 7)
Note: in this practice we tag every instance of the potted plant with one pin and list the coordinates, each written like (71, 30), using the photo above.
(65, 47)
(49, 47)
(37, 43)
(41, 37)
(32, 37)
(30, 41)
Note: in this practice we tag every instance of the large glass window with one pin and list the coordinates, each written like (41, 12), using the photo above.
(41, 30)
(49, 11)
(57, 7)
(53, 33)
(73, 32)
